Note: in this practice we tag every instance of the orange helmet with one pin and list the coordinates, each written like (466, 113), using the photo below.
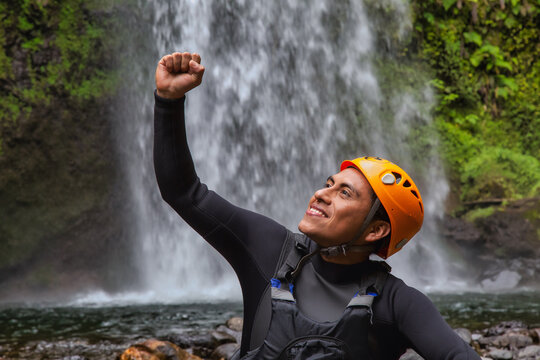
(399, 196)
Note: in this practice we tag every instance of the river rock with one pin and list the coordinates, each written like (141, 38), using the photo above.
(465, 334)
(535, 335)
(235, 323)
(530, 352)
(504, 327)
(410, 354)
(156, 350)
(236, 334)
(500, 354)
(222, 337)
(512, 340)
(225, 351)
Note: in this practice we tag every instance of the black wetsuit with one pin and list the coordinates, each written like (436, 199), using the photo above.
(251, 243)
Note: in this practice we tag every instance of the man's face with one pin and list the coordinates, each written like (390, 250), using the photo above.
(336, 212)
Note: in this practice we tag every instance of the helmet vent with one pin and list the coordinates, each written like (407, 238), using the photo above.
(414, 193)
(421, 208)
(406, 183)
(398, 177)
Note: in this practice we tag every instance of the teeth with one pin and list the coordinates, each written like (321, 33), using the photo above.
(317, 212)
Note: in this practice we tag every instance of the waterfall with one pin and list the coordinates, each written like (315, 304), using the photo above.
(290, 90)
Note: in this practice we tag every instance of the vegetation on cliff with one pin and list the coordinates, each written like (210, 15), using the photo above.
(487, 75)
(57, 71)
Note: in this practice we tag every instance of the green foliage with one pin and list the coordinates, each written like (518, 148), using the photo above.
(487, 78)
(479, 213)
(62, 50)
(500, 173)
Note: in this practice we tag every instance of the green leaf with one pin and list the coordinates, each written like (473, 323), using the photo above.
(429, 17)
(507, 82)
(510, 22)
(491, 49)
(503, 64)
(477, 57)
(473, 37)
(448, 4)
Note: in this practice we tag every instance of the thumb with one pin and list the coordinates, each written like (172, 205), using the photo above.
(196, 70)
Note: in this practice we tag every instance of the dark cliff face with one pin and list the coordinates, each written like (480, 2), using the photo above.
(60, 194)
(496, 237)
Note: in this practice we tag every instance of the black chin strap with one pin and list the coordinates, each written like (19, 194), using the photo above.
(343, 248)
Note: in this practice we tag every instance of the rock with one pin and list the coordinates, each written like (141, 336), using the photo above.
(182, 340)
(410, 354)
(224, 351)
(512, 340)
(156, 350)
(235, 323)
(465, 334)
(504, 327)
(500, 354)
(221, 337)
(237, 334)
(530, 352)
(476, 337)
(535, 335)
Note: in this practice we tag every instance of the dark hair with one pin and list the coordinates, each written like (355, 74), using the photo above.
(381, 214)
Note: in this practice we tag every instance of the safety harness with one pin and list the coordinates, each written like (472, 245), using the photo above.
(292, 335)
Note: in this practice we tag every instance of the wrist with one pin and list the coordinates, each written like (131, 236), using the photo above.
(168, 95)
(160, 100)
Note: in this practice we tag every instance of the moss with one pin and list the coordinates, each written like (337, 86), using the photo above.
(479, 213)
(56, 75)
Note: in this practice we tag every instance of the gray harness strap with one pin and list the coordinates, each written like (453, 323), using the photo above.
(294, 253)
(296, 246)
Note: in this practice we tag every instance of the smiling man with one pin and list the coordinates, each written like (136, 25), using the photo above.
(316, 294)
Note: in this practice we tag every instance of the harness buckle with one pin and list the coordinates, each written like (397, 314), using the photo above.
(335, 250)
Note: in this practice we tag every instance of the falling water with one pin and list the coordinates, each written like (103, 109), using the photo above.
(290, 90)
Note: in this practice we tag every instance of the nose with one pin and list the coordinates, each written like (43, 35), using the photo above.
(323, 195)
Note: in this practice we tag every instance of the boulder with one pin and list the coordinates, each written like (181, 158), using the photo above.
(236, 334)
(535, 335)
(504, 327)
(410, 354)
(465, 334)
(500, 354)
(235, 323)
(156, 350)
(225, 351)
(530, 352)
(222, 337)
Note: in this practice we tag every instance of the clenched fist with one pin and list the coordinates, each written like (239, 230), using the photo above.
(178, 73)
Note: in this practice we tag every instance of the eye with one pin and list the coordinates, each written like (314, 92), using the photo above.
(346, 192)
(327, 185)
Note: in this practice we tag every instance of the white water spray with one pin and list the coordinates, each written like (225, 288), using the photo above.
(286, 81)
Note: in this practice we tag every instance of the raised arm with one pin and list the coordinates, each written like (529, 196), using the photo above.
(250, 242)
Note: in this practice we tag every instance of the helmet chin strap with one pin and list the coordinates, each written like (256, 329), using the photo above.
(343, 248)
(340, 249)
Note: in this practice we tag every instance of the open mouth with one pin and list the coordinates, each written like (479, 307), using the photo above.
(316, 212)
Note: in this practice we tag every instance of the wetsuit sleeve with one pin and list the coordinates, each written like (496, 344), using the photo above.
(250, 242)
(422, 324)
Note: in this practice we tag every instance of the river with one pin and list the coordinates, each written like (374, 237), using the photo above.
(103, 330)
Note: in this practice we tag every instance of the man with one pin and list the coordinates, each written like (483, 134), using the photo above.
(315, 295)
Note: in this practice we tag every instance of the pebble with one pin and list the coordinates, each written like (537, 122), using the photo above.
(530, 352)
(500, 354)
(465, 334)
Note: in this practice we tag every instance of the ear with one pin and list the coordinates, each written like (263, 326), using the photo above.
(377, 230)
